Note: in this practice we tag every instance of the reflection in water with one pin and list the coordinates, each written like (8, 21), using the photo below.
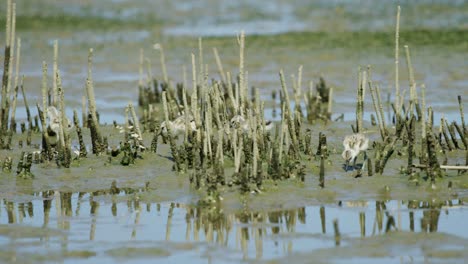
(263, 234)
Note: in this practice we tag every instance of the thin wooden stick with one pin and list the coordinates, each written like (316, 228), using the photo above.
(186, 114)
(44, 91)
(423, 125)
(54, 75)
(299, 81)
(5, 80)
(242, 88)
(445, 167)
(84, 116)
(220, 65)
(159, 47)
(28, 113)
(462, 115)
(360, 101)
(136, 123)
(330, 101)
(140, 69)
(201, 65)
(290, 116)
(411, 75)
(231, 93)
(12, 45)
(379, 102)
(397, 43)
(297, 100)
(91, 98)
(62, 117)
(413, 94)
(149, 72)
(15, 85)
(13, 110)
(379, 117)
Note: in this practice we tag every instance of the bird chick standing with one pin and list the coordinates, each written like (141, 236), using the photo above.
(53, 128)
(239, 121)
(177, 127)
(353, 145)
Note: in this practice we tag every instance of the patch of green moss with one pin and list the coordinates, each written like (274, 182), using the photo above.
(131, 252)
(62, 21)
(443, 38)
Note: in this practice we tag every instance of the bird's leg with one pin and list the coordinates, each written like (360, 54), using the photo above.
(354, 162)
(365, 161)
(346, 165)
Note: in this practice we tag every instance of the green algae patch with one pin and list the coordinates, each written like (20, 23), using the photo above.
(22, 231)
(71, 22)
(141, 252)
(359, 39)
(78, 254)
(431, 245)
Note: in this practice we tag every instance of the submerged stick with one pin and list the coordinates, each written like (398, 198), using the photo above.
(337, 232)
(362, 223)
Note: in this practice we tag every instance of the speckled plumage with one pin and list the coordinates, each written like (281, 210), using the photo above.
(239, 121)
(353, 145)
(177, 126)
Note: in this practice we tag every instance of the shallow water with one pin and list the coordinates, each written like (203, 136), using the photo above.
(76, 228)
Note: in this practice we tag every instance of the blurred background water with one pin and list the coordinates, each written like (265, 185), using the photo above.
(329, 38)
